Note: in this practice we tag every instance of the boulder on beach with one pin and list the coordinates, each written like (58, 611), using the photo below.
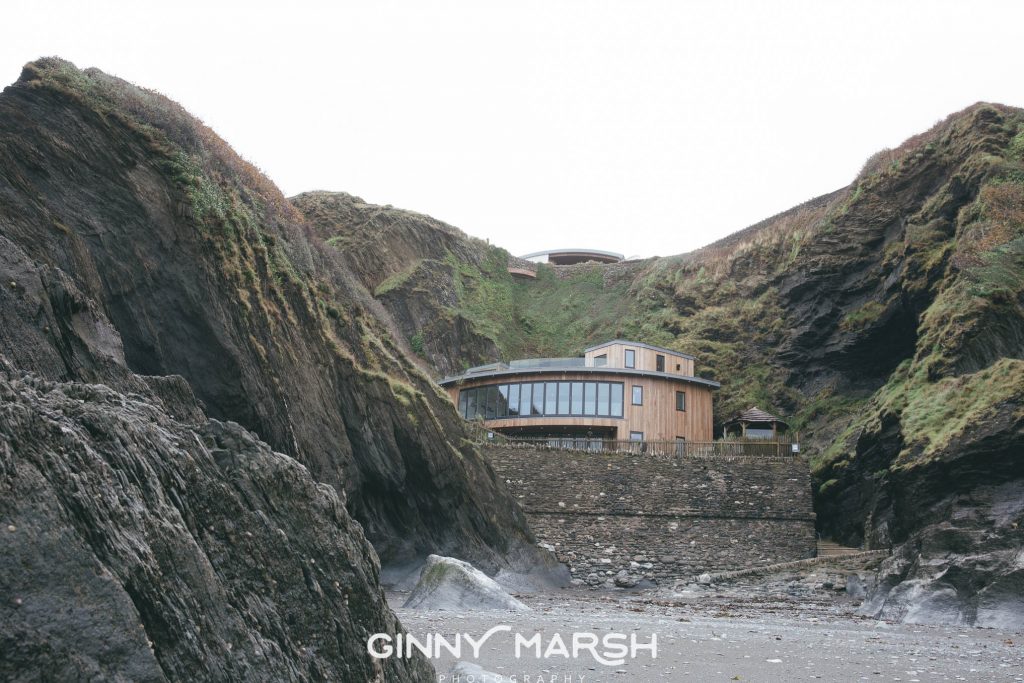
(450, 584)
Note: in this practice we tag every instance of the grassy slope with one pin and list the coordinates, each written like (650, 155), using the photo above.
(550, 316)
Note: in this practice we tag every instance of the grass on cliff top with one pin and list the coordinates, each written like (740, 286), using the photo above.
(168, 126)
(550, 316)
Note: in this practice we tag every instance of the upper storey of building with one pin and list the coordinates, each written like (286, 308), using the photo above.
(630, 355)
(618, 356)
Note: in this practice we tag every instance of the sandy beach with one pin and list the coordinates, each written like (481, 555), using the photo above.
(741, 632)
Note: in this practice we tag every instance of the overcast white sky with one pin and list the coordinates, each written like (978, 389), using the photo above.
(643, 127)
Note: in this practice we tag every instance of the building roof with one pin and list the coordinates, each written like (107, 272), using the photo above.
(488, 371)
(755, 414)
(593, 254)
(639, 345)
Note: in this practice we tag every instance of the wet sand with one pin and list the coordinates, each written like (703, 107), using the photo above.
(742, 633)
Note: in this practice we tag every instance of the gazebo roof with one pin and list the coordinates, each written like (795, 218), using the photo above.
(755, 414)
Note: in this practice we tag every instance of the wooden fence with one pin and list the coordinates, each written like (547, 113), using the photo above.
(720, 448)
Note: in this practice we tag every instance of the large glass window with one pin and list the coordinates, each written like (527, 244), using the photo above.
(630, 358)
(499, 401)
(563, 398)
(538, 399)
(491, 409)
(616, 400)
(576, 408)
(550, 398)
(502, 401)
(601, 361)
(603, 398)
(513, 400)
(589, 398)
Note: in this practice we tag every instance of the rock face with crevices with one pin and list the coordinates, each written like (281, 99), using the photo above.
(139, 546)
(206, 421)
(164, 253)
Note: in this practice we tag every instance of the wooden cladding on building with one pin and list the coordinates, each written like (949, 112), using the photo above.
(618, 354)
(657, 416)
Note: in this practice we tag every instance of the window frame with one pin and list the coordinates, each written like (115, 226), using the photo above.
(629, 358)
(681, 394)
(633, 395)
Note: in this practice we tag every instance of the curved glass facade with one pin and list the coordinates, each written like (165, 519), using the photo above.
(542, 399)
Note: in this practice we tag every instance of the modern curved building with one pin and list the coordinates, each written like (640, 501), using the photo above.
(568, 257)
(620, 390)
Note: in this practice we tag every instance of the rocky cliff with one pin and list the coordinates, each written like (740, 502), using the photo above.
(143, 542)
(887, 318)
(136, 248)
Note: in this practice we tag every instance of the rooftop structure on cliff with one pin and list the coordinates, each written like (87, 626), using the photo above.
(619, 390)
(568, 257)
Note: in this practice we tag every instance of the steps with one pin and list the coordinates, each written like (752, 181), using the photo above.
(828, 548)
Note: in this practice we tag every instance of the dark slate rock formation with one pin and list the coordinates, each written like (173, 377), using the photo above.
(120, 198)
(136, 546)
(964, 568)
(155, 290)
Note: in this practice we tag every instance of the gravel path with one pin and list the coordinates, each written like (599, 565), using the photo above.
(740, 633)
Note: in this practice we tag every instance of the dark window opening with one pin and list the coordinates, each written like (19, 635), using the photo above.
(659, 363)
(680, 400)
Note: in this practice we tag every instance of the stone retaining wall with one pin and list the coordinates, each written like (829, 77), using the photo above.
(621, 518)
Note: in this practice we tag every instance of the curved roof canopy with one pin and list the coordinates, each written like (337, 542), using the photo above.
(503, 370)
(566, 257)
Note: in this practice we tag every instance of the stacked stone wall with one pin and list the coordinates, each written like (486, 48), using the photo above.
(624, 518)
